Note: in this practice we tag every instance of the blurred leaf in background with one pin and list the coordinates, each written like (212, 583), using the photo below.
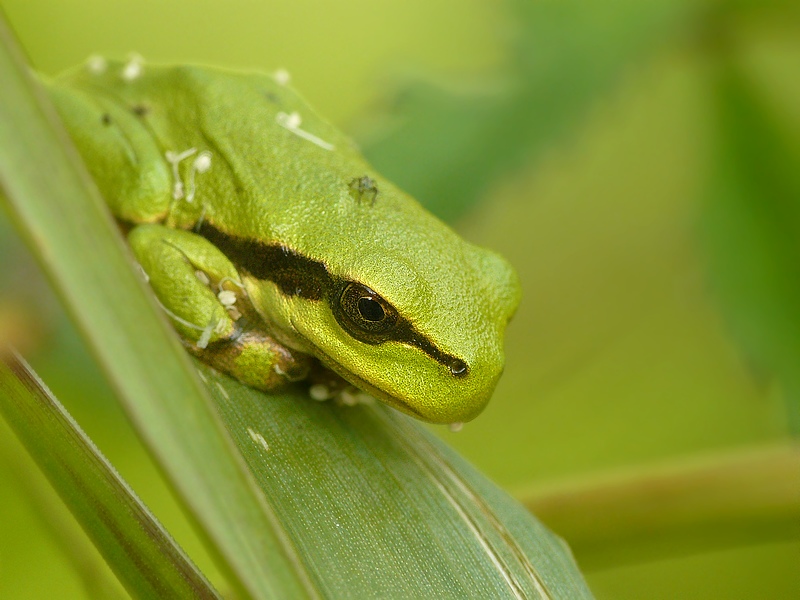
(450, 146)
(753, 225)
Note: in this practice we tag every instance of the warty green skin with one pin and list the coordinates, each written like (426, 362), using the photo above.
(271, 184)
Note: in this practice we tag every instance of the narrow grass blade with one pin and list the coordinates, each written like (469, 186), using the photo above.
(19, 471)
(59, 211)
(144, 557)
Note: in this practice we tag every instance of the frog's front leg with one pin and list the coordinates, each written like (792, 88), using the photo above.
(200, 290)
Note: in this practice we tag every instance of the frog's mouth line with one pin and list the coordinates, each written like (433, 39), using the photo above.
(366, 386)
(355, 380)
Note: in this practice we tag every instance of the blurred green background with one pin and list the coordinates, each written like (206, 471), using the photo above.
(638, 163)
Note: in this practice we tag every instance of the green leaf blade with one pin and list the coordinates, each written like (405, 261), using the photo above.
(60, 212)
(378, 507)
(752, 227)
(143, 556)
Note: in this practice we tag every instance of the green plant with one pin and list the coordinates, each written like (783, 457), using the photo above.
(613, 385)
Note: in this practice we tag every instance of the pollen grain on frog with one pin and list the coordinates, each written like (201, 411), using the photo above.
(319, 392)
(227, 298)
(201, 164)
(282, 76)
(258, 438)
(174, 159)
(133, 68)
(348, 398)
(201, 219)
(96, 64)
(292, 122)
(202, 277)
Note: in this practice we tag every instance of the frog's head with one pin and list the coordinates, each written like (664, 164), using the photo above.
(343, 265)
(391, 299)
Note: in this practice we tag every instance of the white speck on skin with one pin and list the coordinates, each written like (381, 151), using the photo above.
(214, 326)
(221, 325)
(133, 68)
(348, 398)
(205, 337)
(201, 219)
(201, 164)
(203, 378)
(222, 390)
(456, 427)
(289, 120)
(202, 277)
(258, 438)
(319, 392)
(227, 298)
(293, 121)
(96, 64)
(282, 76)
(174, 159)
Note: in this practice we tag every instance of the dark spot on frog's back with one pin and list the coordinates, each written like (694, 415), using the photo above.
(106, 119)
(140, 110)
(363, 189)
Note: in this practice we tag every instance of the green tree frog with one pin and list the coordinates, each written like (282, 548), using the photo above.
(273, 246)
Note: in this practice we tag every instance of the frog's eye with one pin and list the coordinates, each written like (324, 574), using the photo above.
(364, 314)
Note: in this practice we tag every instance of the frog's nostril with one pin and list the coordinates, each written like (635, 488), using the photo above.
(458, 368)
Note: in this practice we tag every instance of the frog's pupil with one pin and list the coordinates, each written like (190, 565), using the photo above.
(370, 309)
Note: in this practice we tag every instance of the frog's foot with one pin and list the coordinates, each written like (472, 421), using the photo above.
(201, 292)
(255, 359)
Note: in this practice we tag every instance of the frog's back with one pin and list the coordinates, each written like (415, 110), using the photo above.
(120, 151)
(142, 131)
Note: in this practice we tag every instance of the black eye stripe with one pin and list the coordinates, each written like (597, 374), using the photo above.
(293, 273)
(299, 275)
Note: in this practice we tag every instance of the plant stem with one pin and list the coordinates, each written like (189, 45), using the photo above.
(738, 497)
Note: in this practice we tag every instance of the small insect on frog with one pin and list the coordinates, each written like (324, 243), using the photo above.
(273, 246)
